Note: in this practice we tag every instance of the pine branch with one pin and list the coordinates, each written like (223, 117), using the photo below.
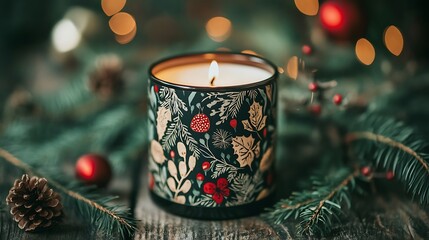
(393, 146)
(317, 209)
(91, 207)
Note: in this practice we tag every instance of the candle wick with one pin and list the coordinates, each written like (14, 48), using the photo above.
(212, 81)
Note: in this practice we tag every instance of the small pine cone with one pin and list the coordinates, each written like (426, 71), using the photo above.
(107, 78)
(33, 204)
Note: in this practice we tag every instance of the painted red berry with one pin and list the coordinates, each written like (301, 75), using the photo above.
(200, 177)
(206, 165)
(307, 50)
(172, 154)
(337, 99)
(200, 123)
(233, 123)
(315, 109)
(156, 88)
(265, 132)
(390, 175)
(313, 86)
(366, 171)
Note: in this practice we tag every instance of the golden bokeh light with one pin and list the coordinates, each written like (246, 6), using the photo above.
(250, 52)
(365, 52)
(223, 49)
(292, 67)
(393, 40)
(219, 28)
(111, 7)
(280, 70)
(307, 7)
(122, 23)
(124, 39)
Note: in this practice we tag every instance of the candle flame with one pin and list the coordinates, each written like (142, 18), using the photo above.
(213, 71)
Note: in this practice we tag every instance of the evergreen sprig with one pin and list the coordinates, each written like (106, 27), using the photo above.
(99, 211)
(317, 209)
(391, 145)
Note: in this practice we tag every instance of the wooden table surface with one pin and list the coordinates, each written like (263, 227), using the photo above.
(385, 215)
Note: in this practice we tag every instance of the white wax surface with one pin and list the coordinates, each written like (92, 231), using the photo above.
(230, 74)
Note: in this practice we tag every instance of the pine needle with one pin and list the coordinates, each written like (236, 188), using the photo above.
(393, 146)
(91, 207)
(317, 209)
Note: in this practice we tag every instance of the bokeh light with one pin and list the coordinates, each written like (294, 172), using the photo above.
(65, 36)
(111, 7)
(365, 52)
(292, 67)
(332, 16)
(393, 40)
(124, 39)
(307, 7)
(122, 23)
(219, 28)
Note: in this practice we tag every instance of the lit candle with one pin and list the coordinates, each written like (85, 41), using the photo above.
(212, 132)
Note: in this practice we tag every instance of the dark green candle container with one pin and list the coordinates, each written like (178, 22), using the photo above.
(212, 148)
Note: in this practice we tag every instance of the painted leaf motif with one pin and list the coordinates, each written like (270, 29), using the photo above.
(182, 168)
(180, 199)
(269, 91)
(163, 117)
(186, 186)
(246, 149)
(181, 149)
(267, 160)
(256, 118)
(171, 184)
(157, 152)
(247, 126)
(172, 168)
(192, 162)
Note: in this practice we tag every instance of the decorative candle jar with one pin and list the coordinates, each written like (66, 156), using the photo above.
(212, 135)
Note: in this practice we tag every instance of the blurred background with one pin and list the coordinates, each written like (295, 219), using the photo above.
(73, 73)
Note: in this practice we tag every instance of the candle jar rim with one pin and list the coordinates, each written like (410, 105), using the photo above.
(224, 57)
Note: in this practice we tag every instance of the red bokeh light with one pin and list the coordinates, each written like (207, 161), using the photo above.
(332, 16)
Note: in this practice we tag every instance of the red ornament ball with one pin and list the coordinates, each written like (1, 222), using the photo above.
(156, 88)
(233, 123)
(390, 175)
(313, 87)
(337, 99)
(93, 169)
(307, 50)
(200, 177)
(366, 171)
(200, 123)
(206, 165)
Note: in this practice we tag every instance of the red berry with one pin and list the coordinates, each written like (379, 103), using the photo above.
(306, 49)
(151, 181)
(206, 165)
(390, 175)
(315, 109)
(156, 88)
(93, 169)
(265, 132)
(172, 154)
(200, 177)
(313, 87)
(337, 99)
(233, 123)
(366, 171)
(200, 123)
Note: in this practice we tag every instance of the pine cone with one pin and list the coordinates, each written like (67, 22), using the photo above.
(33, 204)
(107, 80)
